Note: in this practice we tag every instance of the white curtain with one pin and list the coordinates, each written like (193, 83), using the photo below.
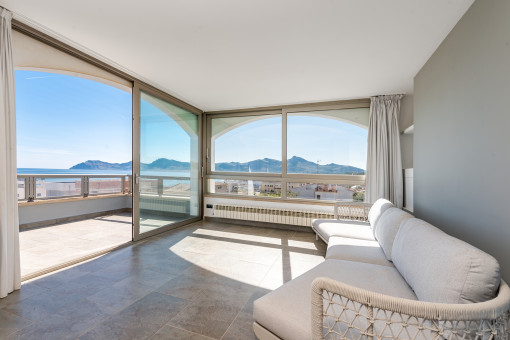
(384, 163)
(10, 275)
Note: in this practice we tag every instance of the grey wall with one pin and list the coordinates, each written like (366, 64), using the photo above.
(405, 120)
(462, 132)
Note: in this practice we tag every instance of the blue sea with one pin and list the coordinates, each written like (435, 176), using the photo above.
(77, 172)
(41, 171)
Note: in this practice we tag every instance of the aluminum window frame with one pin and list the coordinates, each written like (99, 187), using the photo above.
(284, 178)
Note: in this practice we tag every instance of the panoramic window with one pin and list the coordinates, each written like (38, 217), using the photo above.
(246, 187)
(326, 191)
(169, 173)
(69, 125)
(325, 152)
(73, 142)
(246, 144)
(326, 143)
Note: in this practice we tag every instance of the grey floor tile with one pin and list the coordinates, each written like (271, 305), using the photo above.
(197, 282)
(147, 277)
(169, 332)
(154, 308)
(42, 305)
(27, 290)
(10, 323)
(121, 328)
(68, 323)
(241, 328)
(122, 294)
(209, 315)
(184, 287)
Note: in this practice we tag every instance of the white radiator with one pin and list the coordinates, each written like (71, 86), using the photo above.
(280, 216)
(288, 216)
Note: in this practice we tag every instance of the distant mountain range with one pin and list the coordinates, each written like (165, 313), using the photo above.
(99, 165)
(294, 165)
(159, 164)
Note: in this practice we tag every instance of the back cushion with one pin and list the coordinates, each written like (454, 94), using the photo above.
(387, 227)
(441, 268)
(376, 211)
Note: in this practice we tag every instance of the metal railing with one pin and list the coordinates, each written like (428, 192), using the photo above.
(165, 185)
(33, 187)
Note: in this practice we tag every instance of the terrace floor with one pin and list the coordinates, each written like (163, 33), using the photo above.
(46, 247)
(196, 282)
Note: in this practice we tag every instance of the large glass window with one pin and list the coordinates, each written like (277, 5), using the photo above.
(169, 173)
(326, 191)
(327, 142)
(246, 144)
(324, 154)
(246, 187)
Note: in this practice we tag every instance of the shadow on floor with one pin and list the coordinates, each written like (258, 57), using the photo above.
(195, 282)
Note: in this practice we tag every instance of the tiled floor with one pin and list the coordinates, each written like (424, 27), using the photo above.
(46, 247)
(197, 282)
(149, 222)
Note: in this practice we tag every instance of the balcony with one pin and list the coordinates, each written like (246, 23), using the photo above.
(66, 218)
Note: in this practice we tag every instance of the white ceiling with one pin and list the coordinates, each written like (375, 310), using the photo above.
(225, 54)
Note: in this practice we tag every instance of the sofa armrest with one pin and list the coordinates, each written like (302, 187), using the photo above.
(352, 210)
(342, 311)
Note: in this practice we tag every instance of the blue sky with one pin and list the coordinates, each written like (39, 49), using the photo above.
(64, 120)
(161, 136)
(311, 138)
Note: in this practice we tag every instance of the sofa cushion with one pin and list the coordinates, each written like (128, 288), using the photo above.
(387, 227)
(441, 268)
(353, 229)
(286, 311)
(351, 249)
(377, 210)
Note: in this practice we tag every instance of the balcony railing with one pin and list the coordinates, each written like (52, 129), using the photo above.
(33, 187)
(165, 186)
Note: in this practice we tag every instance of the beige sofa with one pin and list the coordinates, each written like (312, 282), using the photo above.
(391, 277)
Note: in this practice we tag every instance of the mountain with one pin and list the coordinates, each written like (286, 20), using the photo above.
(294, 165)
(166, 164)
(302, 166)
(100, 165)
(158, 164)
(259, 165)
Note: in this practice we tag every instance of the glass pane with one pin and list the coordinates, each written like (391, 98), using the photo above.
(176, 187)
(245, 187)
(327, 142)
(246, 144)
(21, 189)
(98, 186)
(57, 187)
(326, 192)
(169, 174)
(148, 186)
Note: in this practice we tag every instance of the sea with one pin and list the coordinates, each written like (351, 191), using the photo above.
(78, 172)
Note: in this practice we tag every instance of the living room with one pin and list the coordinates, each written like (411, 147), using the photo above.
(254, 89)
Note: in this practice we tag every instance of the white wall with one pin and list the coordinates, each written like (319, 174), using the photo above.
(31, 213)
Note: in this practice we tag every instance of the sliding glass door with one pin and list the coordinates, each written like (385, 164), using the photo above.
(167, 162)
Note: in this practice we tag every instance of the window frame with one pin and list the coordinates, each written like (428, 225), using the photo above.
(284, 178)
